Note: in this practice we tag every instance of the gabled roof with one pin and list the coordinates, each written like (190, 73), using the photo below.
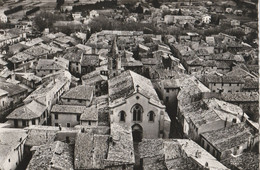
(20, 57)
(121, 148)
(228, 137)
(29, 111)
(68, 109)
(56, 155)
(10, 139)
(128, 83)
(90, 113)
(83, 92)
(93, 77)
(176, 154)
(90, 60)
(241, 97)
(90, 151)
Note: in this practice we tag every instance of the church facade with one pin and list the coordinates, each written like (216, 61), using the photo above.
(134, 102)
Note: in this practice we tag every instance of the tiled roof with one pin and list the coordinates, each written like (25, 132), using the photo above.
(171, 83)
(90, 113)
(49, 64)
(20, 57)
(251, 84)
(176, 154)
(10, 138)
(56, 155)
(90, 151)
(126, 84)
(83, 92)
(68, 109)
(74, 55)
(90, 60)
(241, 97)
(228, 137)
(29, 111)
(121, 149)
(93, 77)
(41, 135)
(36, 51)
(247, 160)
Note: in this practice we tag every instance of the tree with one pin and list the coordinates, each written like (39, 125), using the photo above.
(156, 4)
(46, 20)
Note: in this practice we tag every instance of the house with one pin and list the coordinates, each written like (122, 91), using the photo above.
(29, 79)
(16, 93)
(134, 102)
(37, 52)
(33, 113)
(88, 63)
(76, 16)
(246, 160)
(49, 93)
(90, 150)
(190, 106)
(11, 147)
(81, 95)
(230, 141)
(206, 19)
(41, 135)
(90, 116)
(179, 19)
(54, 155)
(48, 66)
(248, 101)
(99, 150)
(66, 115)
(4, 100)
(21, 60)
(74, 56)
(235, 23)
(175, 154)
(169, 89)
(197, 115)
(223, 83)
(250, 27)
(98, 81)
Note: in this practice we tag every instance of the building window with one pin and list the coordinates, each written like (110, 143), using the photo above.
(89, 123)
(68, 124)
(56, 116)
(122, 115)
(167, 99)
(137, 112)
(78, 117)
(222, 84)
(151, 115)
(214, 91)
(68, 100)
(208, 147)
(229, 84)
(167, 90)
(214, 84)
(33, 121)
(56, 124)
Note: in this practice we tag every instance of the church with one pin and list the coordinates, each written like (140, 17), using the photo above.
(133, 101)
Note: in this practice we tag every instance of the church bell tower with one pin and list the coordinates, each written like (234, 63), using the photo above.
(114, 60)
